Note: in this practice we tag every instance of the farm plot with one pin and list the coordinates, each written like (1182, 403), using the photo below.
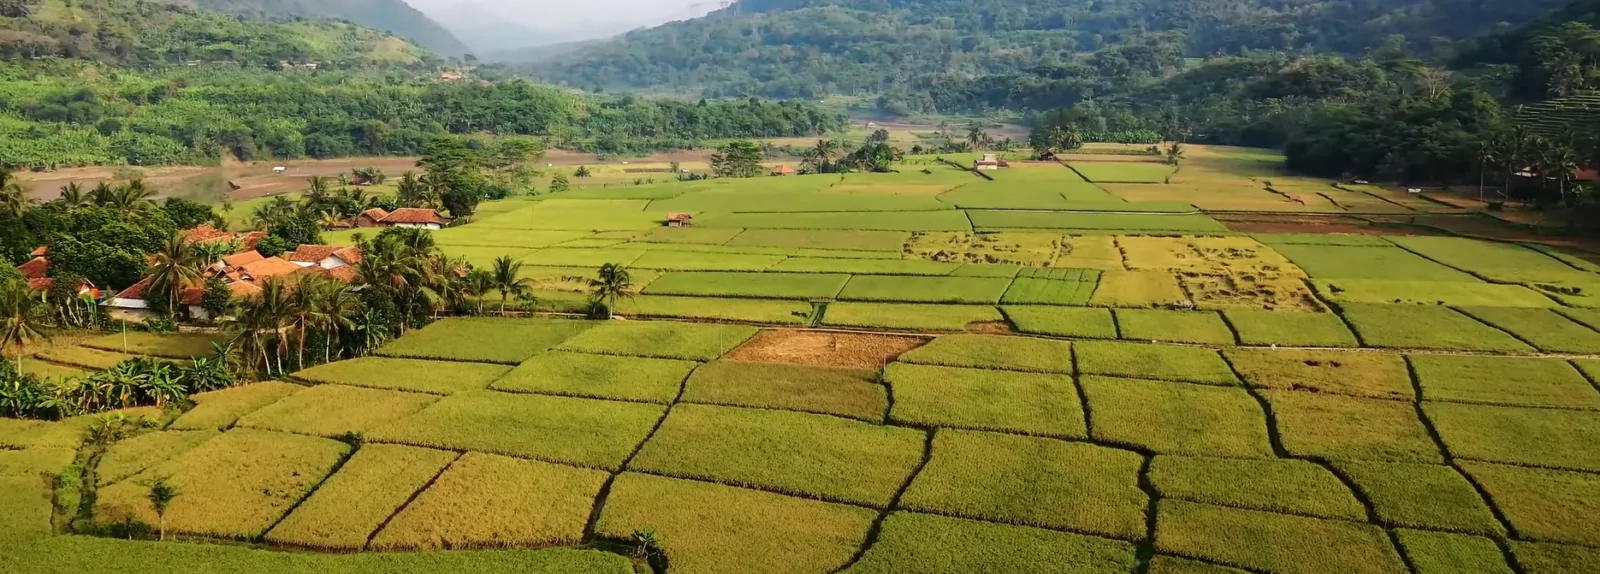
(943, 220)
(891, 241)
(1029, 403)
(1032, 482)
(1351, 428)
(433, 377)
(1137, 289)
(689, 261)
(1425, 327)
(234, 486)
(995, 352)
(1122, 171)
(484, 339)
(1372, 375)
(1298, 544)
(220, 409)
(924, 289)
(928, 544)
(1543, 505)
(1289, 328)
(1323, 261)
(1430, 293)
(360, 497)
(1549, 438)
(979, 195)
(576, 257)
(1089, 252)
(165, 345)
(910, 316)
(747, 201)
(692, 235)
(475, 236)
(1543, 328)
(750, 310)
(1161, 362)
(493, 501)
(1501, 262)
(660, 339)
(1052, 287)
(133, 455)
(768, 285)
(336, 410)
(1202, 327)
(1063, 321)
(849, 393)
(584, 432)
(1176, 418)
(865, 266)
(1025, 249)
(1422, 496)
(1123, 222)
(797, 453)
(1287, 486)
(598, 376)
(483, 257)
(1514, 381)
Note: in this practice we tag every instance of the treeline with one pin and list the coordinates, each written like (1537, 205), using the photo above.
(50, 120)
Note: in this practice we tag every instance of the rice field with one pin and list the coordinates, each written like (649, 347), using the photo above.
(894, 373)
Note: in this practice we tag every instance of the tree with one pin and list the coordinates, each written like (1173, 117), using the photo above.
(218, 298)
(1174, 153)
(477, 284)
(13, 200)
(506, 276)
(73, 195)
(21, 315)
(172, 270)
(161, 495)
(559, 183)
(613, 281)
(582, 172)
(740, 158)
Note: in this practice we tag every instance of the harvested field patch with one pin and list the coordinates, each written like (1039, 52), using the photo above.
(714, 529)
(1349, 428)
(220, 409)
(133, 455)
(1175, 418)
(660, 339)
(1202, 327)
(582, 432)
(1543, 505)
(1372, 375)
(1454, 293)
(334, 410)
(909, 316)
(1534, 437)
(1447, 553)
(598, 376)
(1544, 328)
(974, 290)
(913, 543)
(1162, 362)
(1029, 403)
(367, 490)
(1422, 496)
(1290, 328)
(690, 261)
(1367, 262)
(942, 220)
(822, 349)
(234, 486)
(484, 339)
(493, 501)
(1089, 252)
(1033, 482)
(91, 359)
(798, 453)
(1424, 327)
(1286, 486)
(750, 310)
(850, 393)
(1086, 323)
(166, 345)
(1025, 249)
(1515, 381)
(1272, 542)
(1138, 289)
(892, 241)
(995, 352)
(416, 375)
(772, 285)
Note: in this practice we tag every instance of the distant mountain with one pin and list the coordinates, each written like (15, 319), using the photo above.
(810, 48)
(393, 16)
(140, 33)
(540, 53)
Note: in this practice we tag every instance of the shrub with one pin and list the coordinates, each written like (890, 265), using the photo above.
(811, 455)
(1032, 481)
(1176, 418)
(1037, 404)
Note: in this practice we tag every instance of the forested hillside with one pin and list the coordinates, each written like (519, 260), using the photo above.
(808, 48)
(394, 16)
(122, 81)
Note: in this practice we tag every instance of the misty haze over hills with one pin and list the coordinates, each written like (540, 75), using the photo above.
(499, 26)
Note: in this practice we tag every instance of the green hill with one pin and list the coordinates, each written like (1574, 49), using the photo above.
(809, 48)
(132, 32)
(393, 16)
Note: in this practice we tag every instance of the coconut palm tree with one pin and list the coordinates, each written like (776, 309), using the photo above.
(73, 195)
(131, 197)
(173, 269)
(13, 200)
(613, 281)
(263, 321)
(410, 191)
(22, 315)
(102, 195)
(335, 306)
(506, 275)
(477, 284)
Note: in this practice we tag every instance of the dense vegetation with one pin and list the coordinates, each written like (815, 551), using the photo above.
(393, 16)
(810, 48)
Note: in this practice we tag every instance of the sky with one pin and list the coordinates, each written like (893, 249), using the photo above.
(559, 14)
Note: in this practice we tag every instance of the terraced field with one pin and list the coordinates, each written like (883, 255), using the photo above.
(904, 386)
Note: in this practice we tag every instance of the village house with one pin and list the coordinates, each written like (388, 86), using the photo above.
(783, 170)
(370, 218)
(989, 163)
(325, 256)
(679, 219)
(415, 217)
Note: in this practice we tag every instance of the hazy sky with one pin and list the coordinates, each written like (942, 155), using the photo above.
(552, 14)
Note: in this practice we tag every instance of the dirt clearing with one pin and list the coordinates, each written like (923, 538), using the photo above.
(823, 349)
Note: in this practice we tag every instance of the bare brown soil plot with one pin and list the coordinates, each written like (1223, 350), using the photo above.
(823, 349)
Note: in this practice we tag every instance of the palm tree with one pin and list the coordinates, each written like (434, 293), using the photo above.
(410, 191)
(506, 275)
(173, 269)
(73, 195)
(130, 197)
(976, 136)
(477, 284)
(612, 282)
(263, 322)
(334, 304)
(302, 308)
(13, 200)
(318, 193)
(22, 315)
(1174, 153)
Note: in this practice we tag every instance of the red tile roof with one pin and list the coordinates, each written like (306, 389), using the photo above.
(42, 251)
(243, 289)
(679, 216)
(243, 258)
(309, 253)
(346, 274)
(415, 216)
(204, 233)
(135, 291)
(269, 267)
(376, 213)
(250, 240)
(41, 284)
(35, 268)
(351, 255)
(192, 296)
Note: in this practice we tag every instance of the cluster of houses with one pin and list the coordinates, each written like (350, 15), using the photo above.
(411, 217)
(243, 272)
